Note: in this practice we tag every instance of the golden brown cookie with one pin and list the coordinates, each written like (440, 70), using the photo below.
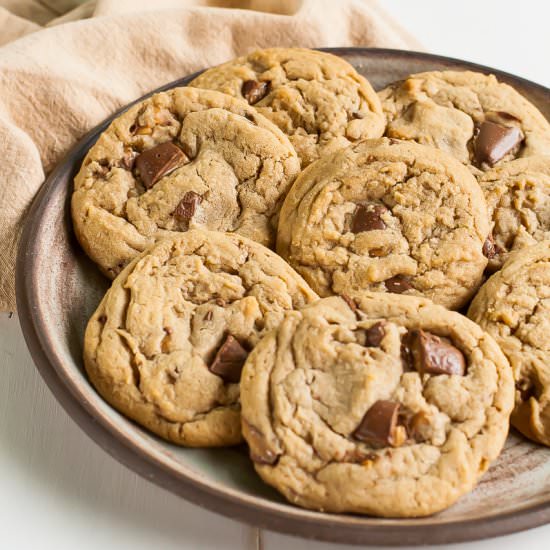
(387, 215)
(518, 200)
(167, 343)
(474, 117)
(391, 407)
(317, 99)
(513, 306)
(182, 159)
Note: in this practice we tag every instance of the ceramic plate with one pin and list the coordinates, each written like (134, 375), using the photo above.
(58, 288)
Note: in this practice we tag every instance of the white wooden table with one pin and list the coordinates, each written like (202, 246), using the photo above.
(59, 490)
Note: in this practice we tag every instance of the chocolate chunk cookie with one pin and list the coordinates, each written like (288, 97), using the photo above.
(518, 200)
(316, 98)
(167, 344)
(400, 426)
(183, 159)
(472, 116)
(388, 216)
(514, 307)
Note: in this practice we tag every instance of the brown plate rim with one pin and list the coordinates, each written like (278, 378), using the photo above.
(250, 509)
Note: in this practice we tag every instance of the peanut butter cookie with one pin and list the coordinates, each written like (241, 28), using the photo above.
(167, 343)
(387, 215)
(472, 116)
(182, 159)
(518, 200)
(513, 306)
(383, 405)
(317, 99)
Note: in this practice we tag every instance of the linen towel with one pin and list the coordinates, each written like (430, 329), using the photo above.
(66, 65)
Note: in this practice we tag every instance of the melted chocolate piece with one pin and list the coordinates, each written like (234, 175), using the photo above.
(368, 217)
(186, 208)
(379, 425)
(229, 360)
(490, 249)
(494, 141)
(398, 284)
(159, 161)
(406, 353)
(254, 90)
(374, 335)
(350, 301)
(258, 446)
(431, 354)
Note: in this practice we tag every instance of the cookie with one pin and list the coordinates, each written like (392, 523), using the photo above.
(387, 215)
(182, 159)
(472, 116)
(168, 341)
(513, 306)
(518, 200)
(390, 406)
(316, 98)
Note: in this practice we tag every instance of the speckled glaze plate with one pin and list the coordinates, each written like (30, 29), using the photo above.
(58, 288)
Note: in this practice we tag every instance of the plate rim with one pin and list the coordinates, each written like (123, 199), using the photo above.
(253, 510)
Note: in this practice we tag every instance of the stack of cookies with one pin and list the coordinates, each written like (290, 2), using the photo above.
(356, 284)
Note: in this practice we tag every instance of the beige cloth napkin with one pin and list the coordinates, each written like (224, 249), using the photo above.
(58, 82)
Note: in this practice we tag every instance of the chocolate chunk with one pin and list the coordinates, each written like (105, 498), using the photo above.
(350, 301)
(379, 425)
(229, 360)
(158, 161)
(494, 141)
(258, 446)
(368, 217)
(254, 90)
(398, 284)
(490, 249)
(434, 355)
(374, 335)
(186, 208)
(406, 357)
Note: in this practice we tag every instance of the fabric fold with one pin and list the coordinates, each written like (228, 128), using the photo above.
(58, 83)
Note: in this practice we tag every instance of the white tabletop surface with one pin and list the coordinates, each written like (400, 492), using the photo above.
(59, 490)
